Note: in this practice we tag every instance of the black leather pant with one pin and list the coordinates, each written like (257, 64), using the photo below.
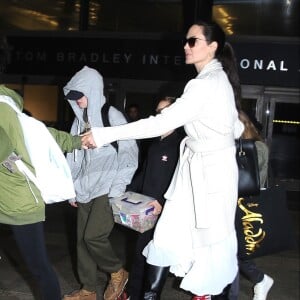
(154, 282)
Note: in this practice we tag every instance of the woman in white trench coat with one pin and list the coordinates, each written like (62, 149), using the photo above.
(195, 237)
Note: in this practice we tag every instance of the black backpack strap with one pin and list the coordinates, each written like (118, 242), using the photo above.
(106, 123)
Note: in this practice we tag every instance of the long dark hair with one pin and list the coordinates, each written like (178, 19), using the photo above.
(250, 131)
(225, 54)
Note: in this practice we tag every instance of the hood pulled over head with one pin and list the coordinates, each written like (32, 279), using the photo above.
(87, 82)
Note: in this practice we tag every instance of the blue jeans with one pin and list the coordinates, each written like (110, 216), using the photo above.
(248, 269)
(31, 242)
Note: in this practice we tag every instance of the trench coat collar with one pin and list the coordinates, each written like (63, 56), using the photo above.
(212, 66)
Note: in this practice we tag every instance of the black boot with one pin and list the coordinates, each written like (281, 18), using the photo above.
(155, 279)
(224, 295)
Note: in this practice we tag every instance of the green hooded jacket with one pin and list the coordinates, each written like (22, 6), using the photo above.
(17, 203)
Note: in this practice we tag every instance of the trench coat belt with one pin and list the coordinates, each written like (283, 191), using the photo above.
(197, 149)
(210, 145)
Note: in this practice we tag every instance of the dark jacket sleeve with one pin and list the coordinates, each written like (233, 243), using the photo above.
(136, 184)
(65, 140)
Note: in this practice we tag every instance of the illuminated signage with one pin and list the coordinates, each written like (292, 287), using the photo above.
(260, 63)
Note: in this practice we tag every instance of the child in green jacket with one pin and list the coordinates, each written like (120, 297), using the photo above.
(21, 203)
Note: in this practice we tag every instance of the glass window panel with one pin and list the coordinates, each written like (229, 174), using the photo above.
(258, 17)
(263, 17)
(285, 149)
(104, 15)
(39, 15)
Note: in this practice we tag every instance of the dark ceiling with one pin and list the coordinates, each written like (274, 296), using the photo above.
(244, 17)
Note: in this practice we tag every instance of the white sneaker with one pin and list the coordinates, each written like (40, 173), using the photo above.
(262, 288)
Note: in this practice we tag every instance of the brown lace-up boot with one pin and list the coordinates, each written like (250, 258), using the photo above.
(81, 295)
(116, 285)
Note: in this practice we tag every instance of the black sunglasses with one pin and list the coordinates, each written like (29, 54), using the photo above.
(191, 41)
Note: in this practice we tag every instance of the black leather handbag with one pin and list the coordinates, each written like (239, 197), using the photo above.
(246, 156)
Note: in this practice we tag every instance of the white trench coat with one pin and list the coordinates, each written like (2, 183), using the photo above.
(195, 234)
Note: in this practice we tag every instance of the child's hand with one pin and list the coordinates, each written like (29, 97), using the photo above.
(157, 207)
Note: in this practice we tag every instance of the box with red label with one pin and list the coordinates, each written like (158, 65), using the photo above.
(132, 210)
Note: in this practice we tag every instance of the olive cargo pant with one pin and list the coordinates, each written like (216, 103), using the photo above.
(94, 225)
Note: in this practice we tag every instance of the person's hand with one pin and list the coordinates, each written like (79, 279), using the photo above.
(157, 207)
(87, 140)
(73, 203)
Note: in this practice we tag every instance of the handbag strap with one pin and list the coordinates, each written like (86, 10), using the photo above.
(240, 147)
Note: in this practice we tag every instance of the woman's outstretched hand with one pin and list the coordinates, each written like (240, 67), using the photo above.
(87, 140)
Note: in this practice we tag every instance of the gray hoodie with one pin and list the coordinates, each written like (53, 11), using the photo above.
(98, 171)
